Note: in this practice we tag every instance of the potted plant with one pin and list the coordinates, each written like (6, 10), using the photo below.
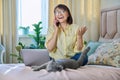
(39, 39)
(18, 55)
(25, 30)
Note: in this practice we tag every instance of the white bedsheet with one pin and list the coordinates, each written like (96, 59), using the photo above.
(88, 72)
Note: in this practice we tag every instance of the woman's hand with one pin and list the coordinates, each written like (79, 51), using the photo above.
(81, 31)
(55, 23)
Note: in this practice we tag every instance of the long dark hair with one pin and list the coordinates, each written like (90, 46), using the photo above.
(64, 7)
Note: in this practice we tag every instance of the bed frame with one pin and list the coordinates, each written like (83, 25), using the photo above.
(110, 23)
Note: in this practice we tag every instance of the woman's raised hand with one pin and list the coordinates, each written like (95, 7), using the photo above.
(81, 31)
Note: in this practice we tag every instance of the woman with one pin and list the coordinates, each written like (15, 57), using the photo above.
(65, 39)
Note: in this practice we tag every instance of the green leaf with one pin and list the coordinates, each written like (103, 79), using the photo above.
(14, 55)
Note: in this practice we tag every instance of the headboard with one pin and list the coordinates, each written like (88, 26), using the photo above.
(110, 23)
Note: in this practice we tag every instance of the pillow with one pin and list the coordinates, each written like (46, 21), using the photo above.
(93, 46)
(116, 40)
(106, 54)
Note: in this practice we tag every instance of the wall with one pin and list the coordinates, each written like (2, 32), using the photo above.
(109, 3)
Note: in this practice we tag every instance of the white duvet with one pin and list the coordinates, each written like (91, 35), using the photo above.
(88, 72)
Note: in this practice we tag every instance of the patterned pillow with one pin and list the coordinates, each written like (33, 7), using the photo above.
(116, 40)
(106, 54)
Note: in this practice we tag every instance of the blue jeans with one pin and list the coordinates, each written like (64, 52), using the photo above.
(76, 56)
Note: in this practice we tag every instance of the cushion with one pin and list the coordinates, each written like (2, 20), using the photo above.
(93, 46)
(116, 40)
(106, 54)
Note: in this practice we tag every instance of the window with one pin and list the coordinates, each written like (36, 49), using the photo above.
(30, 12)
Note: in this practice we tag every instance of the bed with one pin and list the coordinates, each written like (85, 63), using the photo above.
(100, 66)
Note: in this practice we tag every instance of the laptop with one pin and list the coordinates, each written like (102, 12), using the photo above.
(34, 57)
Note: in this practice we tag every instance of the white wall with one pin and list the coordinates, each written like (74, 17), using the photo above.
(109, 3)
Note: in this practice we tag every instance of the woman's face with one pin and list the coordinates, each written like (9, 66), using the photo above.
(61, 15)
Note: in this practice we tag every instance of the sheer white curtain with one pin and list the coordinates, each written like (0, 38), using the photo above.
(9, 28)
(44, 15)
